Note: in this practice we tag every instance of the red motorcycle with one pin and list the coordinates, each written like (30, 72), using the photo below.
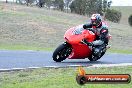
(73, 48)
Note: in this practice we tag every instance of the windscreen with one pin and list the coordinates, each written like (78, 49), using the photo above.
(78, 30)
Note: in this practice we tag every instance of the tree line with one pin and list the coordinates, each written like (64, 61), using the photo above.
(82, 7)
(54, 4)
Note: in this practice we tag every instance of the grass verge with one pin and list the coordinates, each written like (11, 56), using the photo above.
(23, 47)
(121, 51)
(58, 78)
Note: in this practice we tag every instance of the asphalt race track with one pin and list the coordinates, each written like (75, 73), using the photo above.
(25, 59)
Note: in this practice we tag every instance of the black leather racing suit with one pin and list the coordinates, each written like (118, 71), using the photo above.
(101, 37)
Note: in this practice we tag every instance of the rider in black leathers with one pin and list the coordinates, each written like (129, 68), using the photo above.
(101, 30)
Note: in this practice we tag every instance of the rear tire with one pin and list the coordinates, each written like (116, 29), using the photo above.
(62, 52)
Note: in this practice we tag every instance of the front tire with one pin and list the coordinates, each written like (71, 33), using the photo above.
(62, 52)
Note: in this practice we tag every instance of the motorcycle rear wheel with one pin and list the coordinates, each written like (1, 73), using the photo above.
(62, 52)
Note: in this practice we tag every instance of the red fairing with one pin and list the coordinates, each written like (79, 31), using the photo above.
(80, 52)
(74, 36)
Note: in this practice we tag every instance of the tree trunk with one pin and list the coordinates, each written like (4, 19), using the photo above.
(27, 2)
(6, 1)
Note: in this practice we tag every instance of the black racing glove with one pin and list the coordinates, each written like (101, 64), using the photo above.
(84, 26)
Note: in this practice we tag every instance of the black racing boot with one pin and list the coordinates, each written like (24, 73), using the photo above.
(97, 51)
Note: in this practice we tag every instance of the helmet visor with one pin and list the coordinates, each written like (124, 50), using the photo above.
(95, 22)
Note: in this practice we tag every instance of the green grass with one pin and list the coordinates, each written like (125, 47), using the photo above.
(122, 51)
(22, 47)
(12, 13)
(58, 78)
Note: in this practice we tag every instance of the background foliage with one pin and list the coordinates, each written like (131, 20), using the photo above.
(82, 7)
(130, 20)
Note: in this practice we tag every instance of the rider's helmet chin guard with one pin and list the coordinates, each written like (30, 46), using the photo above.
(96, 20)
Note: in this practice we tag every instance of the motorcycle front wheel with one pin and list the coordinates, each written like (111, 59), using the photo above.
(62, 52)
